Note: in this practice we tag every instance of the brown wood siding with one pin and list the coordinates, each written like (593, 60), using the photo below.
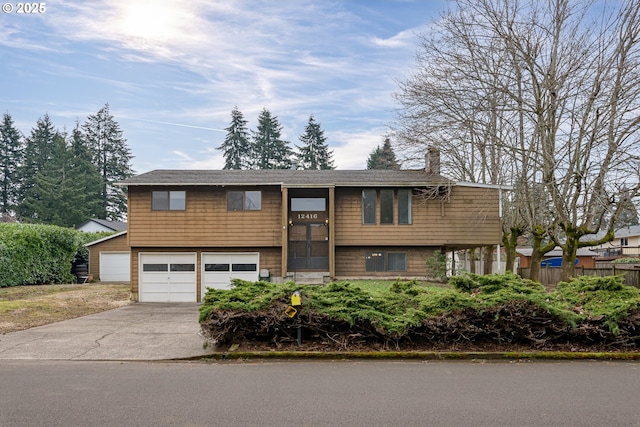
(206, 221)
(117, 244)
(270, 259)
(469, 218)
(350, 262)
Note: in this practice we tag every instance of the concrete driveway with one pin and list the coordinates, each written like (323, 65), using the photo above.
(141, 331)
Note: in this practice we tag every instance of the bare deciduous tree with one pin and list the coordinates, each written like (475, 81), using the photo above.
(543, 96)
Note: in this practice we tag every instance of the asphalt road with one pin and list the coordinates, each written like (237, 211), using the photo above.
(332, 393)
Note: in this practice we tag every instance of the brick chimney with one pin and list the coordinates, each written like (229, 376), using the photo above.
(432, 161)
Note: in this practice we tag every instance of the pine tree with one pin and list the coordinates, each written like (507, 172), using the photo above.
(314, 153)
(237, 146)
(383, 158)
(112, 157)
(269, 150)
(11, 156)
(38, 151)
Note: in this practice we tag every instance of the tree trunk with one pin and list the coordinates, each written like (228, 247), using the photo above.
(472, 261)
(538, 252)
(510, 242)
(488, 259)
(536, 257)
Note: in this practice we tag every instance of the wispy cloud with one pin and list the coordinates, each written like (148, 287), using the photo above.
(173, 70)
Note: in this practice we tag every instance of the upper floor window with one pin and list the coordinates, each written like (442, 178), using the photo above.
(168, 200)
(404, 206)
(368, 206)
(388, 200)
(386, 206)
(244, 200)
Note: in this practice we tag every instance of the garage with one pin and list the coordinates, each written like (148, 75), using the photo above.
(219, 268)
(114, 266)
(167, 277)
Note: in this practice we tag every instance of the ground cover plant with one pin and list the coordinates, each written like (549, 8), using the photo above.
(472, 312)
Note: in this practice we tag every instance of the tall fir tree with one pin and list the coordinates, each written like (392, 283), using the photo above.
(112, 157)
(85, 171)
(57, 198)
(38, 152)
(11, 157)
(383, 158)
(269, 150)
(237, 145)
(314, 153)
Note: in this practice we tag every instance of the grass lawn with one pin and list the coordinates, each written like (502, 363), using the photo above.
(24, 307)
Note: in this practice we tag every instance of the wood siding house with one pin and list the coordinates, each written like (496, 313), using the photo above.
(190, 230)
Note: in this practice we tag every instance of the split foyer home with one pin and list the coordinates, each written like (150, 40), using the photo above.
(189, 230)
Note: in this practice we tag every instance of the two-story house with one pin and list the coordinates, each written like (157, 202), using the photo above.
(189, 230)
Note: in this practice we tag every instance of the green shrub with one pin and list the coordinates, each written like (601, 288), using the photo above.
(437, 266)
(600, 297)
(32, 254)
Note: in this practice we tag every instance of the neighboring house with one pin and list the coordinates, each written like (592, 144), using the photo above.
(110, 259)
(95, 225)
(625, 244)
(192, 230)
(585, 258)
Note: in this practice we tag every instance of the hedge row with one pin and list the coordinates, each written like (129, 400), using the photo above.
(490, 309)
(34, 254)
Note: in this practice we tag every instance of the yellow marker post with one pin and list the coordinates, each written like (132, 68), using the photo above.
(296, 299)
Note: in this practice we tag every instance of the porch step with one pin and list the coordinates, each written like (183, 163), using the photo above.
(309, 277)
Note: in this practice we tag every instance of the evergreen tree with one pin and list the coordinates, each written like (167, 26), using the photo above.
(57, 197)
(11, 155)
(112, 157)
(85, 172)
(314, 153)
(269, 150)
(38, 151)
(383, 158)
(236, 145)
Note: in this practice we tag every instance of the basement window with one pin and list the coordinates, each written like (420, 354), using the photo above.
(385, 261)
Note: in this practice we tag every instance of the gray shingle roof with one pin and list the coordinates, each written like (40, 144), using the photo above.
(285, 177)
(113, 225)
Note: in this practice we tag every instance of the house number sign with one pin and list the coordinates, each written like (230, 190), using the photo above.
(306, 215)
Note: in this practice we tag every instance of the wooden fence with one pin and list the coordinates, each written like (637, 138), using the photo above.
(551, 276)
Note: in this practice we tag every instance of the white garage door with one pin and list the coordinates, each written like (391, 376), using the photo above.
(114, 267)
(220, 268)
(167, 278)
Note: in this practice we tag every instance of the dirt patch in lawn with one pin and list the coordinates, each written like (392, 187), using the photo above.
(24, 307)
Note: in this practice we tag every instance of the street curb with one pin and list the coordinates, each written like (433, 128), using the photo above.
(418, 355)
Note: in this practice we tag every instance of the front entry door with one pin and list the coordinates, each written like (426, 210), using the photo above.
(309, 247)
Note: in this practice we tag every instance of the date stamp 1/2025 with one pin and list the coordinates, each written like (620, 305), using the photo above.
(24, 8)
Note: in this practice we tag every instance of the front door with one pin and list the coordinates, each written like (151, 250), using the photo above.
(309, 246)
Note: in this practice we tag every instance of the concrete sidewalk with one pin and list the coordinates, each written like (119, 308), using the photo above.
(141, 331)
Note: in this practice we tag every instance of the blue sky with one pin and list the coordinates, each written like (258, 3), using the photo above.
(172, 71)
